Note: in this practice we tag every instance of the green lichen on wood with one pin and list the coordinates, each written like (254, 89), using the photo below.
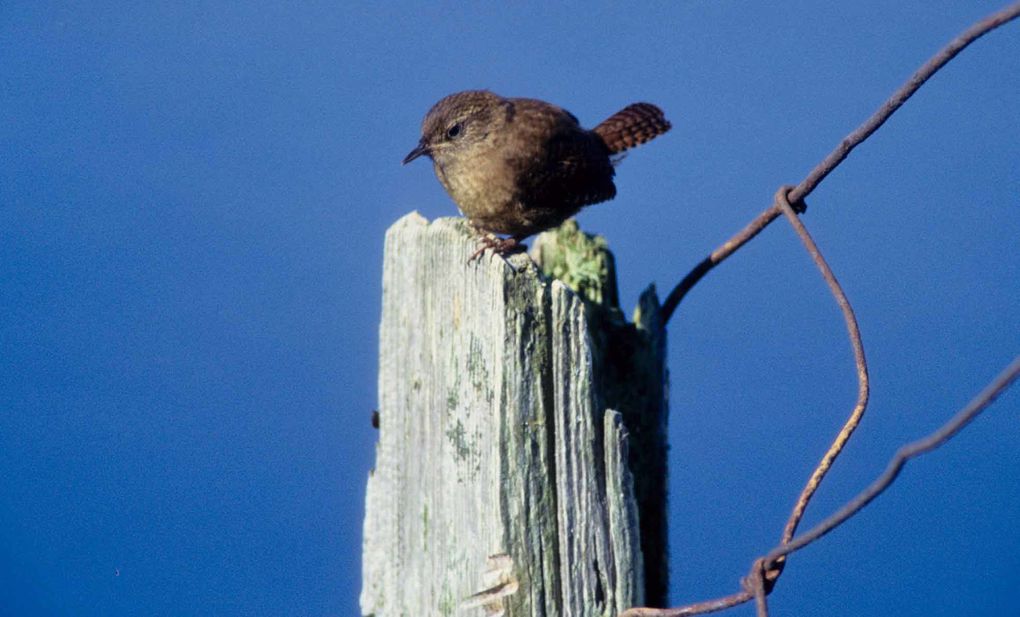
(528, 438)
(580, 260)
(629, 361)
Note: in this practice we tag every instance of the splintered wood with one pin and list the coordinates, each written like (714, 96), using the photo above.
(503, 483)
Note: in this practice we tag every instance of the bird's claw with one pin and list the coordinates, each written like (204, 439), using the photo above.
(499, 246)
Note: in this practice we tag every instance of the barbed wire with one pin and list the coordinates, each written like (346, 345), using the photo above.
(789, 200)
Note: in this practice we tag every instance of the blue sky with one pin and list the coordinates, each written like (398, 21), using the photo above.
(193, 198)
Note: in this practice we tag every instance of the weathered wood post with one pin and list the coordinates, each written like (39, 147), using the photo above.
(521, 463)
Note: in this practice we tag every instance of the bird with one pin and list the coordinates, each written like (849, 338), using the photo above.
(520, 166)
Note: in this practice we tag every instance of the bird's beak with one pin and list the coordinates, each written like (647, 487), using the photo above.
(420, 149)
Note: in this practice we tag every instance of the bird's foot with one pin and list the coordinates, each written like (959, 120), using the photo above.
(499, 246)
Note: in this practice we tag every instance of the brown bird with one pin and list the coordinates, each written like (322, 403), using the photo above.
(520, 166)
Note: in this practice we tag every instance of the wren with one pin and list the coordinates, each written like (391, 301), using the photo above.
(518, 166)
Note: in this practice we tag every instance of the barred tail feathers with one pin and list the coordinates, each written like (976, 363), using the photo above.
(632, 126)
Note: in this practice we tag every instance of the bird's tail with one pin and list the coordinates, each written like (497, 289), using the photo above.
(632, 126)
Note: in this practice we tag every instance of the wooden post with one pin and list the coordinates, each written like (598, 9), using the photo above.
(521, 463)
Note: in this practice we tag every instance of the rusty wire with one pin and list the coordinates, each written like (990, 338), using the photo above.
(947, 431)
(755, 584)
(775, 568)
(766, 570)
(839, 154)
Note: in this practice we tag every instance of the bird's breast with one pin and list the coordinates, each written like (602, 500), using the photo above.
(481, 183)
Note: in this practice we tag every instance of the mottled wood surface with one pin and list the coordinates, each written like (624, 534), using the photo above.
(502, 483)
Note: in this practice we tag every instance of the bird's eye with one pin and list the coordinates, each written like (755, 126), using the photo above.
(454, 131)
